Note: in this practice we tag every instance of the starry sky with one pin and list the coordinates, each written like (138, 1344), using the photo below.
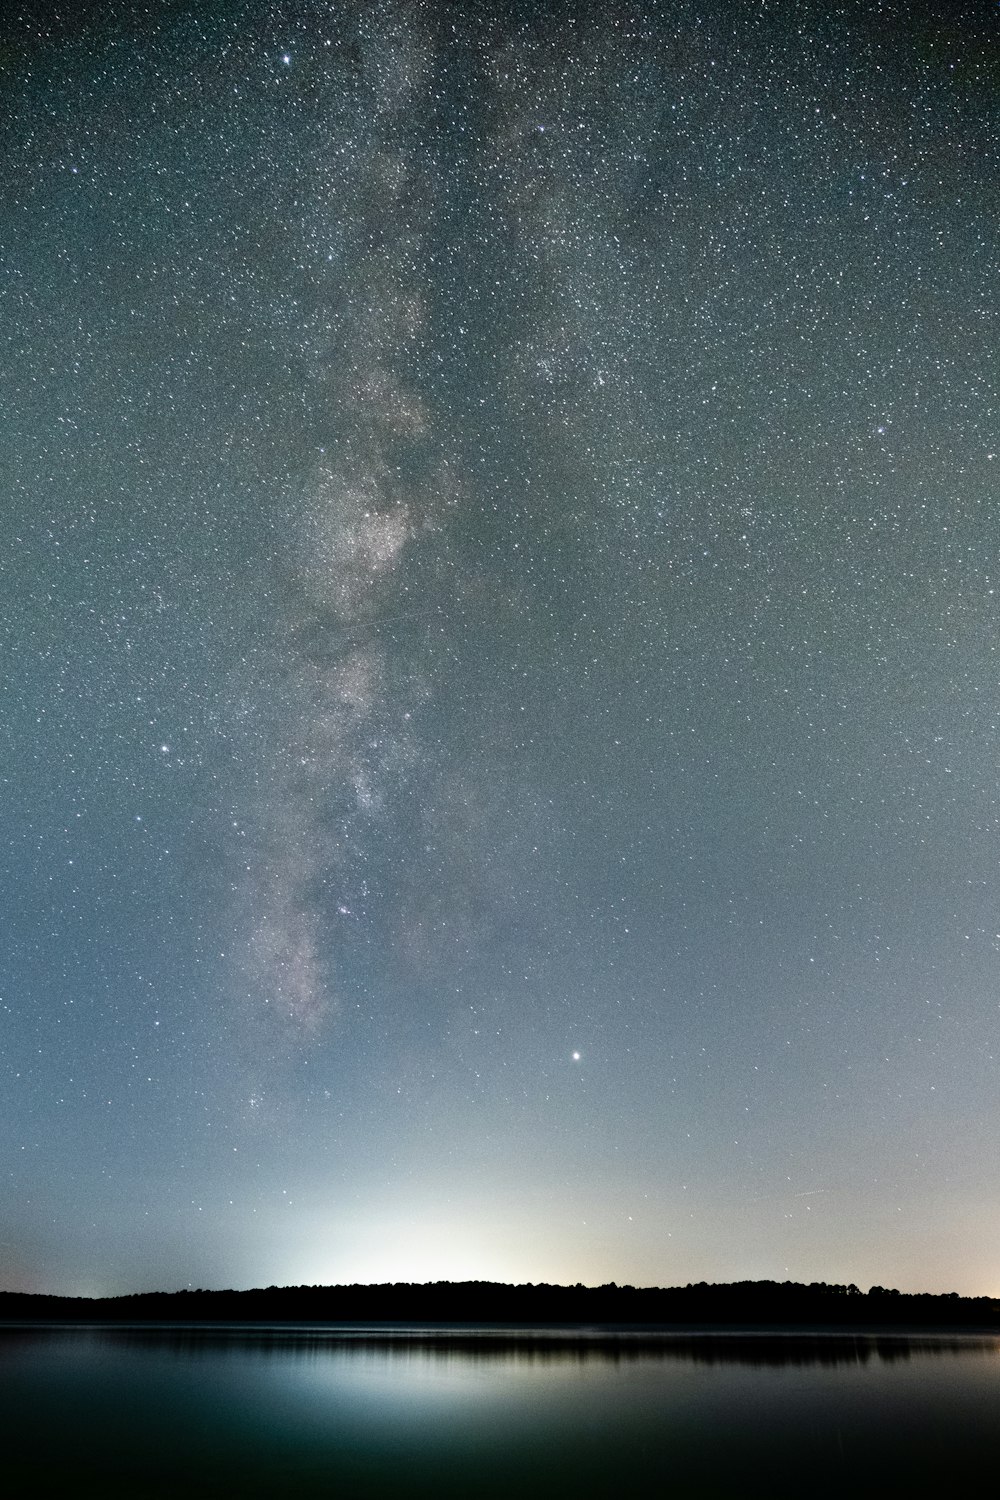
(499, 540)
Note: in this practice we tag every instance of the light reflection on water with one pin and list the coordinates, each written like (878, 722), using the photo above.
(153, 1412)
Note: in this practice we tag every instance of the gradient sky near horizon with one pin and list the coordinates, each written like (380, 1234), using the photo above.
(499, 550)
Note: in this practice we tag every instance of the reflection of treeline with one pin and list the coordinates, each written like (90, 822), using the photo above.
(541, 1345)
(734, 1304)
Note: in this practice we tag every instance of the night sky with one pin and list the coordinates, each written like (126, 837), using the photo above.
(501, 696)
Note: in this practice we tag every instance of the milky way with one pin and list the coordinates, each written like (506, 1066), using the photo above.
(499, 559)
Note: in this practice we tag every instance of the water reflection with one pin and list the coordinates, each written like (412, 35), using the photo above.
(152, 1412)
(507, 1346)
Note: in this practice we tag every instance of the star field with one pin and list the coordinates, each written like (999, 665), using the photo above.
(499, 550)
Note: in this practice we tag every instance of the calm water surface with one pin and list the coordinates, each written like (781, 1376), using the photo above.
(157, 1412)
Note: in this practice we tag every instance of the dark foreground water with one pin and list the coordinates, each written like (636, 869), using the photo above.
(191, 1413)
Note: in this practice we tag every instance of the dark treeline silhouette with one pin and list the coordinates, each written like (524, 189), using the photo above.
(738, 1304)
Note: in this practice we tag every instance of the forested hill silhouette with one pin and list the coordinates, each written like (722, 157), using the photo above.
(700, 1304)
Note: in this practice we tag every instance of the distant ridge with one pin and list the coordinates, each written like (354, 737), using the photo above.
(700, 1304)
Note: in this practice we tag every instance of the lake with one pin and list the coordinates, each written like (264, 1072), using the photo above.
(155, 1412)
